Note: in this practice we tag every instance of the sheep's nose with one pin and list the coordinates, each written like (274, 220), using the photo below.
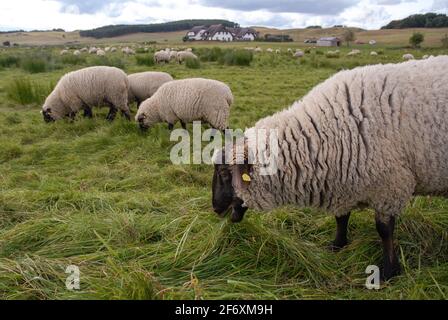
(141, 123)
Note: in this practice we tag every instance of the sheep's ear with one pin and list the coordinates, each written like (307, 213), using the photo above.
(241, 176)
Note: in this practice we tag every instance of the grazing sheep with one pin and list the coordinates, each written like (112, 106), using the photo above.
(269, 50)
(76, 53)
(408, 56)
(299, 54)
(173, 55)
(373, 136)
(84, 50)
(87, 88)
(278, 51)
(161, 56)
(128, 51)
(258, 50)
(185, 101)
(143, 85)
(113, 49)
(64, 52)
(101, 53)
(189, 50)
(93, 50)
(184, 55)
(372, 42)
(289, 50)
(107, 49)
(354, 52)
(373, 53)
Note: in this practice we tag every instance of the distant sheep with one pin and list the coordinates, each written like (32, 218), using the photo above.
(161, 56)
(64, 52)
(354, 52)
(373, 53)
(77, 53)
(185, 101)
(145, 84)
(408, 56)
(299, 54)
(278, 51)
(184, 55)
(101, 53)
(84, 50)
(93, 50)
(269, 50)
(85, 89)
(173, 55)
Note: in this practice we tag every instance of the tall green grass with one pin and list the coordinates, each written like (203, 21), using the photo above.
(8, 61)
(145, 60)
(24, 91)
(192, 63)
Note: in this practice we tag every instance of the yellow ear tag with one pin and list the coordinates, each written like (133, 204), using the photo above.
(246, 177)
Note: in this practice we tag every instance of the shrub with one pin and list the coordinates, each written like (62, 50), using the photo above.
(319, 52)
(145, 60)
(24, 91)
(73, 60)
(332, 54)
(416, 39)
(192, 63)
(9, 61)
(307, 51)
(34, 65)
(106, 61)
(380, 52)
(211, 55)
(237, 58)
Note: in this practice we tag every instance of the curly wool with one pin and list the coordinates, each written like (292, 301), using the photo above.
(161, 56)
(143, 85)
(372, 136)
(189, 100)
(184, 55)
(89, 87)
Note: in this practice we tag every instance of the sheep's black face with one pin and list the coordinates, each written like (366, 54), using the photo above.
(47, 115)
(141, 123)
(224, 197)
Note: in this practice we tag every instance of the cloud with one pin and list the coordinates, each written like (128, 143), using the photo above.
(440, 5)
(323, 7)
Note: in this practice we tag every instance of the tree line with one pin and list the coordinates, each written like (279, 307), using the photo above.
(428, 20)
(120, 30)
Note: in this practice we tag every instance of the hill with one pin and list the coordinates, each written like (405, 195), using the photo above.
(120, 30)
(428, 20)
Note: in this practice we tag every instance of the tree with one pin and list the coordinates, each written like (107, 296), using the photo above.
(349, 36)
(445, 41)
(416, 39)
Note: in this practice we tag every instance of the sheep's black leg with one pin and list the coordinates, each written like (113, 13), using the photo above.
(126, 114)
(170, 126)
(112, 114)
(391, 265)
(340, 240)
(184, 126)
(88, 112)
(138, 104)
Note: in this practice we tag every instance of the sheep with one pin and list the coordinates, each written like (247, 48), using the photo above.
(86, 88)
(107, 49)
(278, 51)
(189, 50)
(76, 53)
(289, 50)
(184, 55)
(101, 53)
(408, 56)
(269, 50)
(372, 42)
(84, 49)
(354, 52)
(373, 53)
(143, 85)
(372, 136)
(128, 51)
(113, 49)
(64, 52)
(161, 56)
(299, 54)
(258, 50)
(185, 101)
(93, 50)
(173, 55)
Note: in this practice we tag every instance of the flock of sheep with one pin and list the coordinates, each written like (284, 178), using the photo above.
(159, 98)
(372, 136)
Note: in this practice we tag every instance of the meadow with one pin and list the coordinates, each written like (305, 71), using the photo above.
(106, 198)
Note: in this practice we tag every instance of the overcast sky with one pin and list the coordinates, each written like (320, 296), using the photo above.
(86, 14)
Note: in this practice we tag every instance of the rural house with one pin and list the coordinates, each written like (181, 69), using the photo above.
(220, 32)
(329, 42)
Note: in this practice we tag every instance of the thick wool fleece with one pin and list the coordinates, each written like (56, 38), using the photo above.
(94, 86)
(184, 55)
(375, 136)
(143, 85)
(189, 100)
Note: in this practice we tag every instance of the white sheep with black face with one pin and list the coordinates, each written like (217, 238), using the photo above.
(144, 85)
(85, 89)
(373, 136)
(188, 100)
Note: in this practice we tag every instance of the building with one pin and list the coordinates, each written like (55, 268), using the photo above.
(329, 42)
(220, 32)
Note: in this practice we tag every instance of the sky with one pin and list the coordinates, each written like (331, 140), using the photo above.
(87, 14)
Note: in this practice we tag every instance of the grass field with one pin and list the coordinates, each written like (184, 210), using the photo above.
(106, 198)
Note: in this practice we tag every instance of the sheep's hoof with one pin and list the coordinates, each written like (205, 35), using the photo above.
(337, 246)
(390, 271)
